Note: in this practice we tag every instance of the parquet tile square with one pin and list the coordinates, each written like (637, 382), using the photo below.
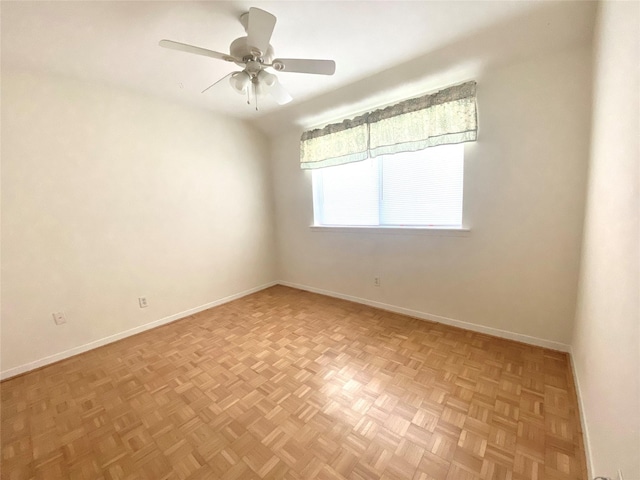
(285, 384)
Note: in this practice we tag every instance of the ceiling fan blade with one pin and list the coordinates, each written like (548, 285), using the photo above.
(305, 65)
(259, 29)
(183, 47)
(279, 94)
(217, 81)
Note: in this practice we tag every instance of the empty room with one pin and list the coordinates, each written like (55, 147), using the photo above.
(320, 240)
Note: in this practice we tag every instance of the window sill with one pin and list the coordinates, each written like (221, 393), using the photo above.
(438, 231)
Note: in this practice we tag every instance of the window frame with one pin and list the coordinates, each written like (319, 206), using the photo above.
(444, 230)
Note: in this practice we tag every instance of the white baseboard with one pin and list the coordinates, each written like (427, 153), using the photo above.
(519, 337)
(12, 372)
(583, 420)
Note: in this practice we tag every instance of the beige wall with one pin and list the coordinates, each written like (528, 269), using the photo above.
(606, 340)
(517, 269)
(108, 196)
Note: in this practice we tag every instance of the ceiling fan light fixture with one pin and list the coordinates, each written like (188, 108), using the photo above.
(239, 81)
(260, 88)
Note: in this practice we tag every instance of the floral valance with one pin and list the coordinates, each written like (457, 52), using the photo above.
(445, 117)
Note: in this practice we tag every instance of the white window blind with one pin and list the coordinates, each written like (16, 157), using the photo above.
(423, 188)
(347, 194)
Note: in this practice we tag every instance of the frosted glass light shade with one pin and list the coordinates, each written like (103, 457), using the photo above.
(267, 79)
(239, 81)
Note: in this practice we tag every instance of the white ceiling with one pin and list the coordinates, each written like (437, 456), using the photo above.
(372, 42)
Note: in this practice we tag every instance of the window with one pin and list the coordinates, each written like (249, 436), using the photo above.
(398, 166)
(409, 189)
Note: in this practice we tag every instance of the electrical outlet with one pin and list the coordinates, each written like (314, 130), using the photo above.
(376, 281)
(59, 318)
(142, 301)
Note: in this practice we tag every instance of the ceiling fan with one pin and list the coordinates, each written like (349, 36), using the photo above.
(254, 54)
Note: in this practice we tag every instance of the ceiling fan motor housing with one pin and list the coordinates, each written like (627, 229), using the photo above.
(240, 49)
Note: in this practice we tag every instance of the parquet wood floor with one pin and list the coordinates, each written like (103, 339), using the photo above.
(285, 384)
